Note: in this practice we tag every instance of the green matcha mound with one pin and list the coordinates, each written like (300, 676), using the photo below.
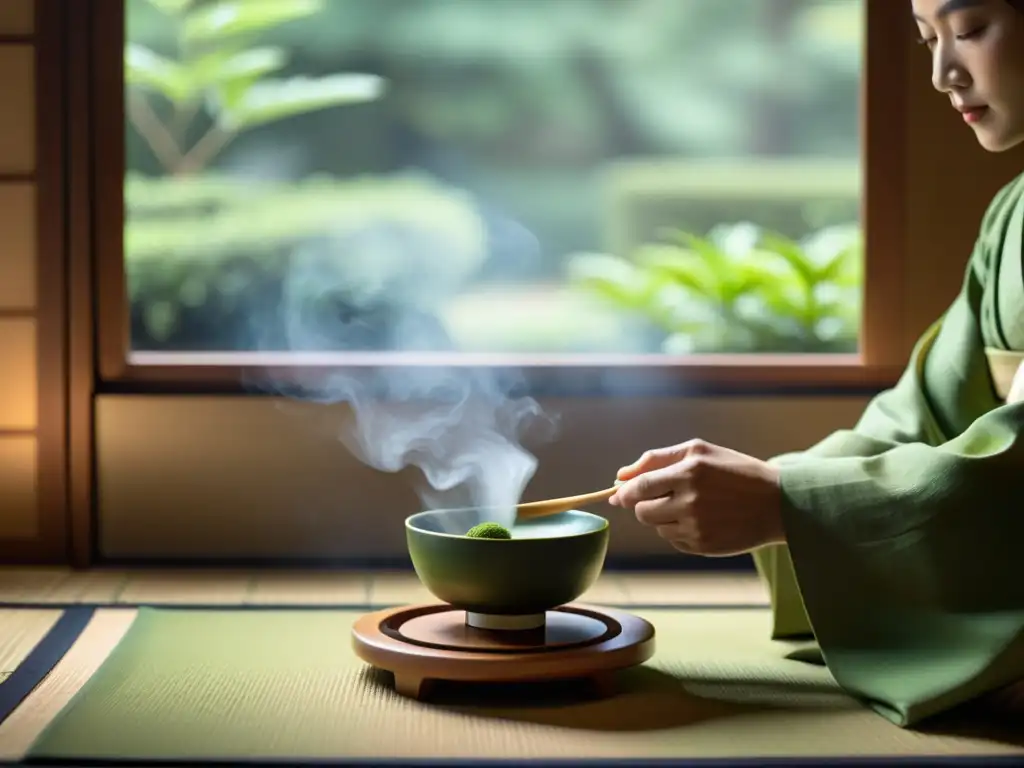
(489, 531)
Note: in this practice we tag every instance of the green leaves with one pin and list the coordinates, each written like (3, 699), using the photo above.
(224, 68)
(232, 81)
(267, 101)
(181, 82)
(612, 278)
(740, 287)
(171, 7)
(231, 18)
(220, 68)
(149, 70)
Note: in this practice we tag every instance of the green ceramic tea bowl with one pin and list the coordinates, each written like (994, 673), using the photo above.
(507, 583)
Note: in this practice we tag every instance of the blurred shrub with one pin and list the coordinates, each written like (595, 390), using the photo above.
(216, 263)
(740, 289)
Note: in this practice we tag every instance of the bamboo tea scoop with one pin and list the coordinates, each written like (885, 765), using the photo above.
(547, 507)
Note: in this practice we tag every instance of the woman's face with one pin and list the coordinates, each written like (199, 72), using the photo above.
(977, 50)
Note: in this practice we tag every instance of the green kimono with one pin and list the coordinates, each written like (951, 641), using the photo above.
(903, 556)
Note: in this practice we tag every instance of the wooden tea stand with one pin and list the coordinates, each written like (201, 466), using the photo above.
(424, 643)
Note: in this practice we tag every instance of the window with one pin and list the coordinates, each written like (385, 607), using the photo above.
(603, 183)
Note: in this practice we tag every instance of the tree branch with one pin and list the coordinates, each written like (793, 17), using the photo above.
(159, 139)
(183, 119)
(204, 150)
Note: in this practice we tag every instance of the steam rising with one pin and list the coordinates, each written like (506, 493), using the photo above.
(379, 289)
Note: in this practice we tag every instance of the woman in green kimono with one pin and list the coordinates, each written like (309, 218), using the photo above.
(896, 545)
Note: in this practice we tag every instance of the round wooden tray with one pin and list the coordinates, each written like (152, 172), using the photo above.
(423, 643)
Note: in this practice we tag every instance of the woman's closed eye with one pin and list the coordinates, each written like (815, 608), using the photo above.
(973, 33)
(969, 33)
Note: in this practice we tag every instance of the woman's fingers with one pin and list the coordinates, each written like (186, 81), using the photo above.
(648, 486)
(658, 513)
(657, 458)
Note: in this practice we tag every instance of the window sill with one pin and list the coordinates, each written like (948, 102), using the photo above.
(542, 376)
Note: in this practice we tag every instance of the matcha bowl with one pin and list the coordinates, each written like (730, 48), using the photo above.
(507, 583)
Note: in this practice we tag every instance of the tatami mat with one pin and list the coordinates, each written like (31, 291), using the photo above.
(393, 588)
(217, 587)
(694, 589)
(222, 684)
(60, 585)
(310, 589)
(90, 650)
(20, 632)
(30, 585)
(187, 587)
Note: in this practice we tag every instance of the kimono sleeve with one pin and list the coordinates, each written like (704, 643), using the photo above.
(896, 416)
(902, 415)
(905, 544)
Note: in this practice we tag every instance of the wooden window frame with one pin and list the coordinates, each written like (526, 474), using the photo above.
(50, 544)
(98, 130)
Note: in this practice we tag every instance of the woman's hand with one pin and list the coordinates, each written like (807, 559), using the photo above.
(704, 499)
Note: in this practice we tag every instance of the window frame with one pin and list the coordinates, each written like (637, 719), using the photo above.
(45, 175)
(97, 127)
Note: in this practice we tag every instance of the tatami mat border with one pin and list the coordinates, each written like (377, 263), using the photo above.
(44, 657)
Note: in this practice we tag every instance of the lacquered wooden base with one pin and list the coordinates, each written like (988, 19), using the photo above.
(423, 643)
